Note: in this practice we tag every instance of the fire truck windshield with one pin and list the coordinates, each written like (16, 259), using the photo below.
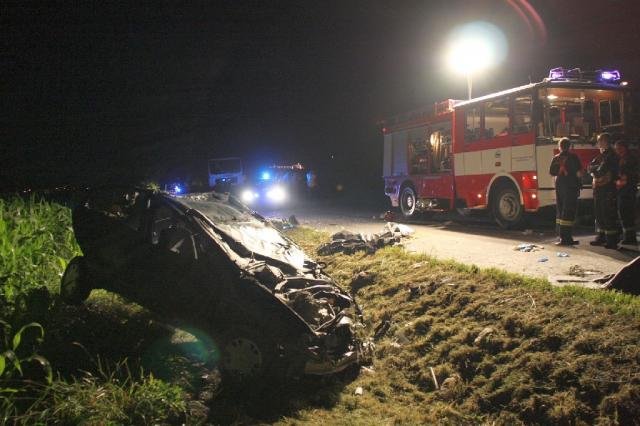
(579, 113)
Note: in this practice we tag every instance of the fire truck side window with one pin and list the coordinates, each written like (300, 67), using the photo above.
(610, 113)
(521, 114)
(420, 156)
(496, 118)
(440, 141)
(473, 130)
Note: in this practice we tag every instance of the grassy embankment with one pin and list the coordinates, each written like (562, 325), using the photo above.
(472, 346)
(463, 346)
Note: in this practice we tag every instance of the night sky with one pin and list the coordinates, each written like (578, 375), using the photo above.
(109, 92)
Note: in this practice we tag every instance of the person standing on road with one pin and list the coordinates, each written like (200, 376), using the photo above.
(604, 169)
(567, 169)
(627, 186)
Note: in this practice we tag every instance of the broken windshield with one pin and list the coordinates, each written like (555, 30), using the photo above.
(239, 224)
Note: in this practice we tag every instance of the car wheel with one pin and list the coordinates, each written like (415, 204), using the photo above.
(506, 207)
(408, 201)
(74, 286)
(246, 357)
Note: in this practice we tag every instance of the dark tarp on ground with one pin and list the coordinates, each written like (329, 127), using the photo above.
(627, 279)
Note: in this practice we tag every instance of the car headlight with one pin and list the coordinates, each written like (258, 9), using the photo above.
(248, 196)
(276, 193)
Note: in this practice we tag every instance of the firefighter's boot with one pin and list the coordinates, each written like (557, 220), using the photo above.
(566, 238)
(612, 241)
(630, 241)
(600, 240)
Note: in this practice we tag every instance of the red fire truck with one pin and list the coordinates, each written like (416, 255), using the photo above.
(494, 152)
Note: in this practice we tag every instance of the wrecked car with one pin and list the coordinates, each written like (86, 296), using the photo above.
(206, 261)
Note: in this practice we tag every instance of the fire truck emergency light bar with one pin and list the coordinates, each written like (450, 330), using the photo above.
(604, 76)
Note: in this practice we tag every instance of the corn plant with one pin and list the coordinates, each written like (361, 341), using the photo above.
(36, 242)
(13, 358)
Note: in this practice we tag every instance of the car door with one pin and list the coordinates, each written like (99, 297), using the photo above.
(168, 275)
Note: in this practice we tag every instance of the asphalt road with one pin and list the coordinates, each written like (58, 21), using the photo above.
(471, 240)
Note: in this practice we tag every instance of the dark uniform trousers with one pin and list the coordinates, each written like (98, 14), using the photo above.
(566, 206)
(604, 199)
(627, 213)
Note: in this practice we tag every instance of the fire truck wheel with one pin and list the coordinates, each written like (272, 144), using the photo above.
(506, 207)
(408, 201)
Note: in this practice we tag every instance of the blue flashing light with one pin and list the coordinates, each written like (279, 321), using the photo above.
(177, 189)
(265, 175)
(557, 73)
(610, 75)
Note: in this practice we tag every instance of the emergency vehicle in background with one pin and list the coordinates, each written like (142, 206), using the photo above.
(225, 173)
(494, 152)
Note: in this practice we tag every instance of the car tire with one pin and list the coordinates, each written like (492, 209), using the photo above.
(246, 357)
(408, 202)
(506, 208)
(74, 285)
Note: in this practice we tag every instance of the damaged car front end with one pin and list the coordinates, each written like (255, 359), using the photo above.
(207, 261)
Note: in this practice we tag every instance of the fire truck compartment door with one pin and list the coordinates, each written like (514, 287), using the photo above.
(395, 154)
(437, 186)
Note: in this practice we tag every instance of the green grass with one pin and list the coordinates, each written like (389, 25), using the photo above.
(116, 396)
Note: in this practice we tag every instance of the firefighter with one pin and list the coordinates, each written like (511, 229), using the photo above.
(627, 186)
(567, 169)
(604, 169)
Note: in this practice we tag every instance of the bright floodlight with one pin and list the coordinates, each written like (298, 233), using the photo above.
(475, 47)
(468, 56)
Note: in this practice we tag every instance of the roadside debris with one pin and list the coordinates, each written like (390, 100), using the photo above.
(415, 291)
(543, 259)
(562, 254)
(579, 271)
(283, 223)
(399, 228)
(527, 247)
(359, 391)
(434, 378)
(527, 232)
(348, 242)
(367, 370)
(381, 330)
(360, 280)
(482, 336)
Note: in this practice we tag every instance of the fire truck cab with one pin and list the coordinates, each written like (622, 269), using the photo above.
(494, 152)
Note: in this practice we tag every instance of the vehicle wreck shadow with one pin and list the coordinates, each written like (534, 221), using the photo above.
(268, 402)
(109, 338)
